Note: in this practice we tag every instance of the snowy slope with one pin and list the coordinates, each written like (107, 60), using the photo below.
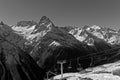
(109, 71)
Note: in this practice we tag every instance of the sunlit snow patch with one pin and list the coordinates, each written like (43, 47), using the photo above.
(95, 27)
(98, 34)
(55, 43)
(78, 76)
(23, 30)
(76, 33)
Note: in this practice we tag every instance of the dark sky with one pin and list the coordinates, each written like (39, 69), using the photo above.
(63, 12)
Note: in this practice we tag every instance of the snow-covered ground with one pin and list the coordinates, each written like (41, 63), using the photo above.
(104, 72)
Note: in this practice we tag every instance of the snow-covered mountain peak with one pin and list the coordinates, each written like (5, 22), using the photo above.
(33, 31)
(83, 34)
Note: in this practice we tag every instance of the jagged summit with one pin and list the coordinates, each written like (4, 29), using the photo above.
(45, 20)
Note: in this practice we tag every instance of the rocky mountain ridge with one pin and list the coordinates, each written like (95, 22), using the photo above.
(45, 44)
(106, 34)
(31, 31)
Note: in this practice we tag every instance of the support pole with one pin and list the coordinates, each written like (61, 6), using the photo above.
(61, 66)
(47, 75)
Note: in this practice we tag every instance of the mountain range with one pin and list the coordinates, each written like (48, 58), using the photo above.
(30, 48)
